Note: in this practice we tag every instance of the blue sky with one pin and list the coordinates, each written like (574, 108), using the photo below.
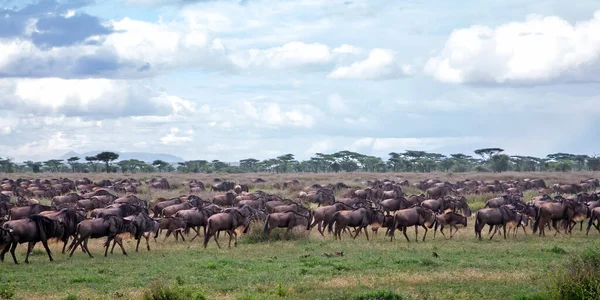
(259, 78)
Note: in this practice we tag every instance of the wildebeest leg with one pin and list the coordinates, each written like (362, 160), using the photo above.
(321, 230)
(404, 232)
(504, 230)
(65, 246)
(442, 232)
(167, 235)
(107, 244)
(6, 248)
(85, 248)
(30, 246)
(120, 242)
(366, 233)
(416, 233)
(426, 230)
(490, 231)
(216, 237)
(138, 244)
(12, 252)
(113, 246)
(230, 237)
(455, 230)
(495, 230)
(555, 228)
(197, 230)
(356, 232)
(45, 243)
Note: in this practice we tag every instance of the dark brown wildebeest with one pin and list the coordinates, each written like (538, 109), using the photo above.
(110, 226)
(24, 201)
(229, 221)
(120, 210)
(132, 200)
(158, 207)
(358, 218)
(173, 225)
(389, 205)
(270, 205)
(224, 200)
(169, 211)
(323, 214)
(17, 213)
(499, 201)
(451, 219)
(414, 216)
(69, 198)
(69, 217)
(493, 217)
(322, 196)
(594, 220)
(144, 226)
(552, 213)
(436, 205)
(289, 220)
(196, 217)
(33, 229)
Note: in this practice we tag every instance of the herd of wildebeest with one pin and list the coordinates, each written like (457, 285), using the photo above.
(82, 209)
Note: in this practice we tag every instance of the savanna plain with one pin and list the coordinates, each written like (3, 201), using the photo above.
(301, 265)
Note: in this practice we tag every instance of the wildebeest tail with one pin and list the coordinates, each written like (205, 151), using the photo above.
(208, 232)
(476, 222)
(333, 219)
(266, 229)
(537, 220)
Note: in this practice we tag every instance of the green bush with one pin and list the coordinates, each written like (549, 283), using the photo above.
(71, 297)
(578, 278)
(161, 291)
(532, 297)
(256, 234)
(7, 291)
(379, 295)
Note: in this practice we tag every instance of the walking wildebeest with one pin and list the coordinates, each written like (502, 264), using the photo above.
(33, 229)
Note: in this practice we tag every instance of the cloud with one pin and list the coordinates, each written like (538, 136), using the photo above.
(336, 104)
(50, 23)
(538, 50)
(290, 55)
(175, 138)
(271, 114)
(93, 98)
(323, 146)
(380, 64)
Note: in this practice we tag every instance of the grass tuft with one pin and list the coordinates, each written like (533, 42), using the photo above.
(161, 291)
(578, 278)
(379, 295)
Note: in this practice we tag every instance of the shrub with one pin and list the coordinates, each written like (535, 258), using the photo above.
(379, 295)
(161, 291)
(578, 278)
(256, 234)
(71, 297)
(7, 291)
(556, 250)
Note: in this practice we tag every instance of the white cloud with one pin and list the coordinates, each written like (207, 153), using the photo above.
(322, 146)
(175, 138)
(337, 104)
(87, 97)
(538, 50)
(380, 64)
(347, 49)
(273, 115)
(290, 55)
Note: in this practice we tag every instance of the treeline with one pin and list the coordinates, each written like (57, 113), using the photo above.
(485, 160)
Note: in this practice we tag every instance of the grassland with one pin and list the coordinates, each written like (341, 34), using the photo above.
(298, 267)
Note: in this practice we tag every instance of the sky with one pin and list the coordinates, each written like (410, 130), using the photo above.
(231, 79)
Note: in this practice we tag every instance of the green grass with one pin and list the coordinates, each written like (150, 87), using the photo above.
(464, 269)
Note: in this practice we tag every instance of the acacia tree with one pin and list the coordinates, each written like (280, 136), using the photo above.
(72, 161)
(107, 158)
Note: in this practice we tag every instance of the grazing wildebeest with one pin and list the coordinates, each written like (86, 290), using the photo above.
(109, 225)
(493, 217)
(229, 221)
(289, 220)
(33, 229)
(359, 217)
(414, 216)
(451, 219)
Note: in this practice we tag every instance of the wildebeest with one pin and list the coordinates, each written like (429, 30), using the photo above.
(594, 220)
(109, 226)
(323, 214)
(17, 213)
(551, 213)
(493, 217)
(289, 220)
(451, 219)
(33, 229)
(229, 221)
(414, 216)
(358, 218)
(196, 217)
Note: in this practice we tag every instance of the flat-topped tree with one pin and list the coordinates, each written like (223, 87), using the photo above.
(487, 153)
(72, 161)
(107, 158)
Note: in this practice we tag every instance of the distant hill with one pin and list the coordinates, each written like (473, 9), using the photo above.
(143, 156)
